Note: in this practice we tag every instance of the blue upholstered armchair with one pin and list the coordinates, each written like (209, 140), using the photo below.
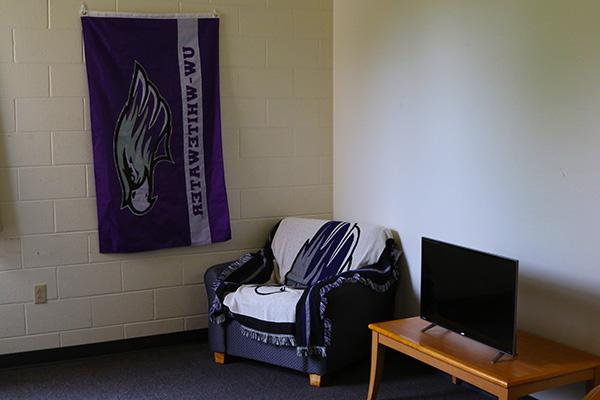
(304, 301)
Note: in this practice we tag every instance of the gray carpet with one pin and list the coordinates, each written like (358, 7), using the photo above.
(186, 372)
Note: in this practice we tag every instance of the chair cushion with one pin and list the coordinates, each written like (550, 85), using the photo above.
(269, 303)
(309, 250)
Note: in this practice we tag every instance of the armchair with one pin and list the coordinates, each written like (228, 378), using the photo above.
(304, 301)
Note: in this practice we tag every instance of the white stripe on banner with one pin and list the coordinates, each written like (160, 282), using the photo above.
(190, 77)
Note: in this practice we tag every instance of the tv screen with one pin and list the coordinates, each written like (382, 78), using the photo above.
(470, 292)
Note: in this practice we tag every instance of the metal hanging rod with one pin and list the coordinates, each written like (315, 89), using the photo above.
(84, 12)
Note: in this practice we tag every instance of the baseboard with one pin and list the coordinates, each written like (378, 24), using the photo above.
(95, 349)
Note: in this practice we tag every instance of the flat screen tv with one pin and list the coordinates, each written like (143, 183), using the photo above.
(470, 292)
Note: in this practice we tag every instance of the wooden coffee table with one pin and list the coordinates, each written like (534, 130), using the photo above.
(540, 364)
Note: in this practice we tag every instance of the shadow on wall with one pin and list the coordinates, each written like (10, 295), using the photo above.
(10, 215)
(6, 189)
(407, 300)
(570, 313)
(10, 253)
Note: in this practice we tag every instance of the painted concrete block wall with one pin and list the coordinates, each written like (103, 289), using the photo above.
(276, 80)
(479, 124)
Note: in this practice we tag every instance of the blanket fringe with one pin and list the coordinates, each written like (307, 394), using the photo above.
(269, 338)
(355, 278)
(306, 351)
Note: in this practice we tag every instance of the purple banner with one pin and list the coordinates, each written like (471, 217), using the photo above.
(156, 131)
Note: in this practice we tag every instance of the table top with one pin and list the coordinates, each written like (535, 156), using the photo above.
(537, 358)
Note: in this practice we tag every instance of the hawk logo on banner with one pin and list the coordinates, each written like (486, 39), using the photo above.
(144, 127)
(156, 130)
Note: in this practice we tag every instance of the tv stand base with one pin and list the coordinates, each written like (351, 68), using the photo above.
(497, 358)
(428, 327)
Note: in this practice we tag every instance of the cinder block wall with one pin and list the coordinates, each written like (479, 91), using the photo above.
(276, 80)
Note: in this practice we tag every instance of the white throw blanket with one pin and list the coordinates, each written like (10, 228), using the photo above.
(264, 302)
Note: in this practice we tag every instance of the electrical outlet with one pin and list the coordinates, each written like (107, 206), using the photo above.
(41, 293)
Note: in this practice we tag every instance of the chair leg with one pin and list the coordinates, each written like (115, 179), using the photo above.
(316, 380)
(219, 357)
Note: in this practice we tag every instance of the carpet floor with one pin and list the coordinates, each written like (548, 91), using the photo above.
(186, 371)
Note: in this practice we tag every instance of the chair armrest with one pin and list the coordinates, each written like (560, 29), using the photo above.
(216, 333)
(212, 273)
(351, 308)
(210, 276)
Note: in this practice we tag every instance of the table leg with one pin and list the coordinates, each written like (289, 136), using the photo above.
(377, 357)
(507, 395)
(456, 381)
(589, 385)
